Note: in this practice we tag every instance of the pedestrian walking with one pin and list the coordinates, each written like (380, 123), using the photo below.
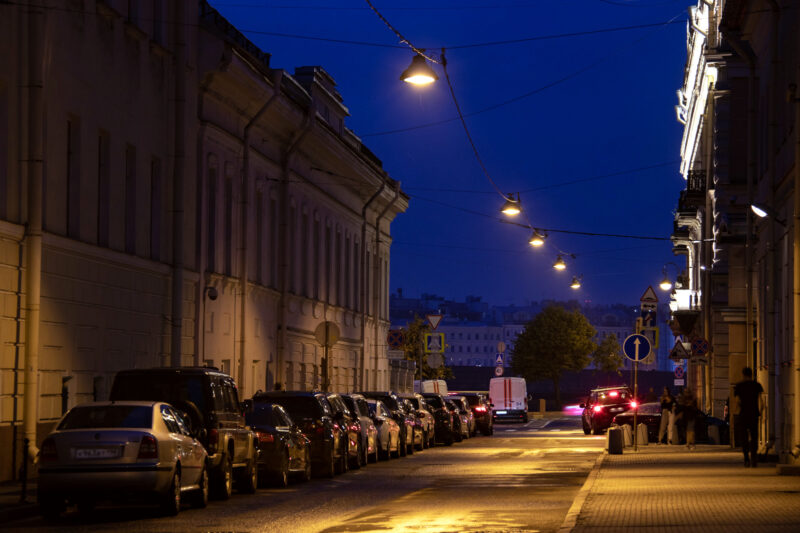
(667, 402)
(749, 395)
(689, 412)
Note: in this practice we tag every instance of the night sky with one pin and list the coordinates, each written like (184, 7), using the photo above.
(590, 139)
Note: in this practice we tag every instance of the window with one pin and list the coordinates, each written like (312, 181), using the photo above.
(211, 218)
(155, 209)
(348, 282)
(73, 178)
(328, 265)
(273, 242)
(259, 236)
(231, 400)
(4, 150)
(357, 276)
(338, 270)
(304, 261)
(169, 420)
(130, 199)
(315, 259)
(228, 259)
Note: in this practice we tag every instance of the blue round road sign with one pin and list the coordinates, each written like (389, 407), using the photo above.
(636, 347)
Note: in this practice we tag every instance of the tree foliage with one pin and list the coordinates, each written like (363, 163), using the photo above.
(608, 357)
(555, 341)
(414, 348)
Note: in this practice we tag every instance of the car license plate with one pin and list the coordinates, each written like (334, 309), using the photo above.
(96, 453)
(500, 412)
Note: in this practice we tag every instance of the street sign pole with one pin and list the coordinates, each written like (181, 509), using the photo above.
(636, 347)
(636, 409)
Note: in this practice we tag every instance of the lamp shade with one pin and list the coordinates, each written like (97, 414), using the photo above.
(665, 284)
(537, 239)
(559, 264)
(419, 72)
(511, 207)
(576, 283)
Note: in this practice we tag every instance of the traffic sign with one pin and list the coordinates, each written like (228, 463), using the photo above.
(636, 347)
(679, 351)
(435, 360)
(700, 347)
(501, 346)
(327, 333)
(434, 342)
(649, 296)
(498, 360)
(498, 371)
(394, 338)
(678, 372)
(434, 320)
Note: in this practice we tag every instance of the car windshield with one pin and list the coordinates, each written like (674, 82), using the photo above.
(473, 400)
(262, 416)
(352, 406)
(613, 396)
(300, 406)
(172, 388)
(108, 416)
(434, 401)
(389, 402)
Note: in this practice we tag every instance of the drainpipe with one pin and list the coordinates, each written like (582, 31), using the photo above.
(283, 237)
(362, 283)
(33, 230)
(796, 278)
(246, 189)
(376, 297)
(176, 355)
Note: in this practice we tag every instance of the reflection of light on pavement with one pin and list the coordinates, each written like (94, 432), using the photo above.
(438, 521)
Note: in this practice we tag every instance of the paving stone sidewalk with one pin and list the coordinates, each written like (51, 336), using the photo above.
(671, 489)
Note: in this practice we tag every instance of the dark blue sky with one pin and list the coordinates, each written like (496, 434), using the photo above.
(613, 114)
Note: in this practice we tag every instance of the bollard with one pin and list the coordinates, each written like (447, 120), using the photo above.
(23, 472)
(542, 406)
(642, 437)
(627, 435)
(614, 440)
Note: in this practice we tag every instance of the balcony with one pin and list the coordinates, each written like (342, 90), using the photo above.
(694, 196)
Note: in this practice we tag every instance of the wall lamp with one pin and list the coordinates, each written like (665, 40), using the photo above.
(666, 283)
(764, 211)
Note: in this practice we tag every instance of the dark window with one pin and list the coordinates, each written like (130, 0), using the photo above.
(103, 188)
(171, 388)
(228, 259)
(73, 178)
(130, 199)
(259, 237)
(155, 209)
(211, 220)
(300, 407)
(169, 420)
(108, 416)
(263, 415)
(231, 400)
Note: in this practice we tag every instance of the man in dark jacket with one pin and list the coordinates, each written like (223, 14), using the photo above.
(751, 405)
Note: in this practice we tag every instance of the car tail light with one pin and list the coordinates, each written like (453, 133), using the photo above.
(597, 408)
(265, 437)
(148, 447)
(48, 452)
(634, 404)
(613, 394)
(480, 409)
(213, 439)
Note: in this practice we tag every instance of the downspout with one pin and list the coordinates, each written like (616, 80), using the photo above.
(283, 237)
(202, 214)
(246, 190)
(33, 230)
(376, 297)
(796, 278)
(176, 356)
(362, 283)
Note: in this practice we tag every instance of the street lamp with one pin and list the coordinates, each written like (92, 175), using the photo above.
(537, 239)
(419, 72)
(576, 283)
(764, 211)
(666, 283)
(511, 206)
(560, 264)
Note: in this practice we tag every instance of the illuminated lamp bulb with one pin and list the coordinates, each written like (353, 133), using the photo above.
(419, 72)
(511, 207)
(576, 283)
(665, 284)
(559, 264)
(537, 239)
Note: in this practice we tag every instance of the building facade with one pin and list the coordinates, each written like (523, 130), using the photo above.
(741, 109)
(167, 198)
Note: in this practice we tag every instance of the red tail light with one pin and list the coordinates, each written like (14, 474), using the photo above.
(48, 452)
(213, 439)
(265, 437)
(613, 394)
(148, 448)
(634, 404)
(597, 408)
(480, 409)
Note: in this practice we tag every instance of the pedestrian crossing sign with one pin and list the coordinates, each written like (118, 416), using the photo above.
(499, 360)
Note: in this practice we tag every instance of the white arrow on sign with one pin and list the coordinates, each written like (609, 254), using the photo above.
(636, 343)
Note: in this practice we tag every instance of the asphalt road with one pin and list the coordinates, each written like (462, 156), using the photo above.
(523, 478)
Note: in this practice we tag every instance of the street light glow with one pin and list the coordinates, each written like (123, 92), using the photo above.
(559, 264)
(419, 72)
(537, 239)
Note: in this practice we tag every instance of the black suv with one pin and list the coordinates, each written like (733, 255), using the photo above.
(482, 410)
(316, 418)
(602, 405)
(443, 418)
(210, 401)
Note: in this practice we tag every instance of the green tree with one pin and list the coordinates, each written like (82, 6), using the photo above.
(608, 357)
(414, 348)
(555, 341)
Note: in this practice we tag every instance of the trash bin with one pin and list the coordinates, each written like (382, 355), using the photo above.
(615, 440)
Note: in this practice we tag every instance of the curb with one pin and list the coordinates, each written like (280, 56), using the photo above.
(577, 505)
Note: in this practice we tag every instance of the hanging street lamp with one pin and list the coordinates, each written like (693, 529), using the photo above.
(419, 72)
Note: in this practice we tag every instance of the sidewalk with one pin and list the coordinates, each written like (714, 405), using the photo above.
(671, 489)
(10, 506)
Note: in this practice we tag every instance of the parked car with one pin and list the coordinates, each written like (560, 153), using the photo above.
(460, 421)
(417, 402)
(442, 416)
(119, 451)
(648, 414)
(406, 422)
(352, 428)
(463, 406)
(210, 401)
(357, 405)
(389, 443)
(481, 410)
(602, 405)
(313, 414)
(283, 450)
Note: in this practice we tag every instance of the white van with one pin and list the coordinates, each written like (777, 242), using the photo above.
(439, 386)
(509, 398)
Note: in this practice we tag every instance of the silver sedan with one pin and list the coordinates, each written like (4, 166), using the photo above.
(119, 451)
